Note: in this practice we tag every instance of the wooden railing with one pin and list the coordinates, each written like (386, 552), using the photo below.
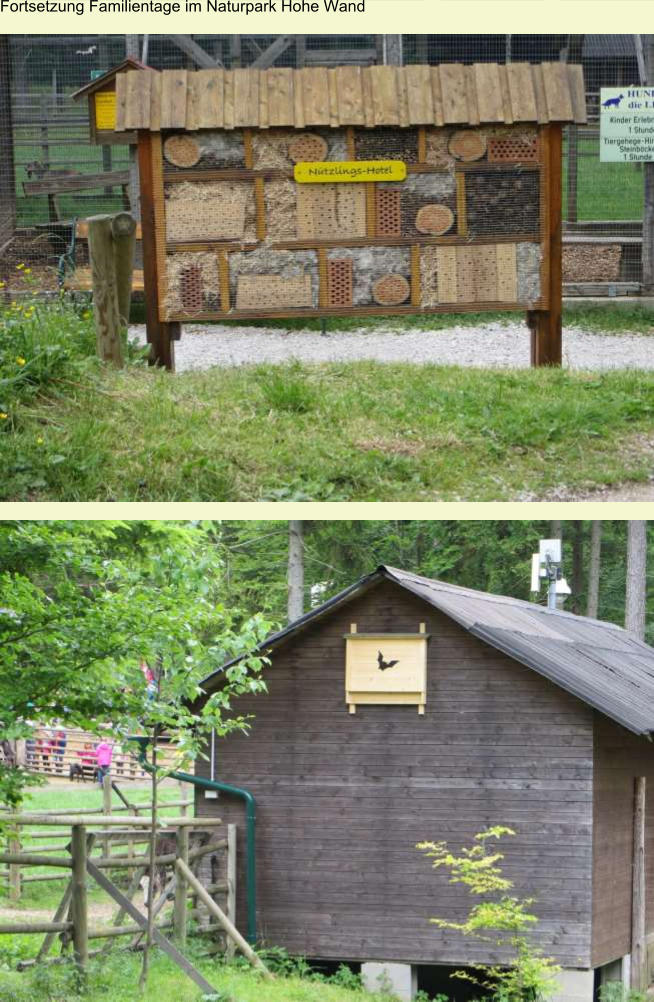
(183, 843)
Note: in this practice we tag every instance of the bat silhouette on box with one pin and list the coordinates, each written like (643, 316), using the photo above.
(383, 665)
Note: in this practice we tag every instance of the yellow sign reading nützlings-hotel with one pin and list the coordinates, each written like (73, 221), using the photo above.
(350, 170)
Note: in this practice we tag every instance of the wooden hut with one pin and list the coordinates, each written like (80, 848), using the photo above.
(431, 189)
(406, 709)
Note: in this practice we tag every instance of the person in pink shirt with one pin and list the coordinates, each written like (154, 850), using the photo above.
(103, 752)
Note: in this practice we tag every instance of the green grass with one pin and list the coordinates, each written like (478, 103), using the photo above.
(604, 190)
(361, 431)
(117, 978)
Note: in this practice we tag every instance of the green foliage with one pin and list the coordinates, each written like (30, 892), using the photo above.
(83, 604)
(615, 991)
(499, 919)
(286, 389)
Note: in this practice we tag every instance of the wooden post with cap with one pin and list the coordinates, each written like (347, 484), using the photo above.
(545, 325)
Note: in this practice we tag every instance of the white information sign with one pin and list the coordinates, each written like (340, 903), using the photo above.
(627, 124)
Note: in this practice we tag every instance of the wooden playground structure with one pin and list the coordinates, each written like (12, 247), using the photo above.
(195, 871)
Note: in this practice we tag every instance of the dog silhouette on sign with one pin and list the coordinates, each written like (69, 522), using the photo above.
(612, 102)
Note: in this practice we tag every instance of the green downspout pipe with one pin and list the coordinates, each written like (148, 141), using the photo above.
(250, 828)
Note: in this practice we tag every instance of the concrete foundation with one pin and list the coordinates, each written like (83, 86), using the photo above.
(575, 986)
(397, 979)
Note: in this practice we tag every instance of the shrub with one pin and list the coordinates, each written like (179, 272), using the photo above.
(497, 918)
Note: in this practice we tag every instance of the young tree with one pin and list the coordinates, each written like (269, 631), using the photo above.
(636, 591)
(84, 604)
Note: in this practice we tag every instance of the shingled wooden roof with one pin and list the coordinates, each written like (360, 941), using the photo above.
(449, 94)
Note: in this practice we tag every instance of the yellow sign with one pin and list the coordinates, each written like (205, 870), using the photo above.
(105, 110)
(350, 170)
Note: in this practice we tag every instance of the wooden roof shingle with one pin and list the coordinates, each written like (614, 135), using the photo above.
(449, 94)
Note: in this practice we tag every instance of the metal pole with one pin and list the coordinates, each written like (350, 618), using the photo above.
(648, 175)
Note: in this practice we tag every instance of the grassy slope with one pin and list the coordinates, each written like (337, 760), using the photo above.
(362, 431)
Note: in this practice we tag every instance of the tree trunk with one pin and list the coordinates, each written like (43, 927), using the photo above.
(634, 613)
(556, 529)
(592, 601)
(577, 582)
(295, 570)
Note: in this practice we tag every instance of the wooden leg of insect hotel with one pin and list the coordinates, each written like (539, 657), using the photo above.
(160, 334)
(545, 325)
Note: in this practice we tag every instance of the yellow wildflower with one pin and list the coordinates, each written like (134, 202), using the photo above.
(3, 416)
(20, 360)
(20, 267)
(39, 441)
(28, 271)
(2, 285)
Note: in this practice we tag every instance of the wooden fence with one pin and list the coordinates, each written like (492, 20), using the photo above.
(86, 850)
(48, 753)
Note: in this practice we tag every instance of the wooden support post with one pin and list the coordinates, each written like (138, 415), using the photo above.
(106, 809)
(545, 325)
(573, 162)
(13, 845)
(180, 910)
(638, 903)
(160, 335)
(79, 911)
(231, 884)
(62, 907)
(229, 927)
(105, 291)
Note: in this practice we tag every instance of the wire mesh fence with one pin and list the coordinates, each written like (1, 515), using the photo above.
(51, 174)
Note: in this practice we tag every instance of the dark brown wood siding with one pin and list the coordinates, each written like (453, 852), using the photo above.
(342, 800)
(619, 757)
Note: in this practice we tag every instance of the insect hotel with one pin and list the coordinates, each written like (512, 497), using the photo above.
(351, 191)
(406, 709)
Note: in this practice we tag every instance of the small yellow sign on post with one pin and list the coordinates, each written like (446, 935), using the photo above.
(105, 110)
(349, 170)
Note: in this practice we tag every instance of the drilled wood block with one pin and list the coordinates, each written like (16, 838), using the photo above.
(272, 292)
(507, 273)
(391, 290)
(190, 289)
(434, 219)
(182, 151)
(485, 265)
(446, 274)
(316, 212)
(388, 212)
(351, 209)
(339, 281)
(513, 149)
(210, 219)
(465, 274)
(308, 147)
(468, 144)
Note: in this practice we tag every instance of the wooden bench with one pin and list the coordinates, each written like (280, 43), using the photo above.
(52, 184)
(74, 279)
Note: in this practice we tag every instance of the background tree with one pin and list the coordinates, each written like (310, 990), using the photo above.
(636, 591)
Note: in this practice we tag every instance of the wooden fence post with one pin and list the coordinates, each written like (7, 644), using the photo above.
(106, 808)
(231, 884)
(180, 911)
(638, 932)
(79, 911)
(13, 845)
(105, 290)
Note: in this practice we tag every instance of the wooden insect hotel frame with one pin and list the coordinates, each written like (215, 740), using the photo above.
(475, 223)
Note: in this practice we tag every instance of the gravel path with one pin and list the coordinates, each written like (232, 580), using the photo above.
(493, 345)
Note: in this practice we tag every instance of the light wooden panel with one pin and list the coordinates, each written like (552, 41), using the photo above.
(404, 681)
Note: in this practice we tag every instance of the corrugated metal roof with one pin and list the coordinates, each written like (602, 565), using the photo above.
(598, 662)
